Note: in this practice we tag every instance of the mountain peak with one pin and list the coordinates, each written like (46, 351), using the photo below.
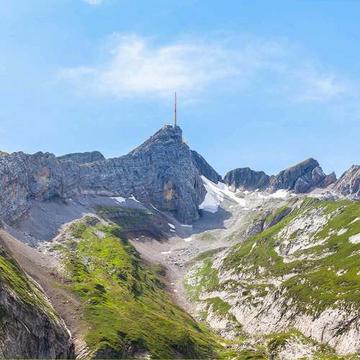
(166, 135)
(300, 178)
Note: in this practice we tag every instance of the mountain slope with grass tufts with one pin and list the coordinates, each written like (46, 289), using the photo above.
(300, 274)
(128, 312)
(30, 327)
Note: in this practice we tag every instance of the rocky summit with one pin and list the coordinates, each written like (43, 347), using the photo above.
(300, 178)
(154, 255)
(247, 179)
(349, 183)
(161, 172)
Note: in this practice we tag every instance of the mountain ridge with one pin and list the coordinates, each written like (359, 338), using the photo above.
(109, 235)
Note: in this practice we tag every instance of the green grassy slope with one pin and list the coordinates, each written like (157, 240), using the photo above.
(319, 281)
(13, 279)
(125, 304)
(324, 274)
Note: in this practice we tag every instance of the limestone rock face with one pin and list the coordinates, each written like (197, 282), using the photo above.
(83, 158)
(29, 326)
(349, 183)
(300, 178)
(247, 179)
(204, 168)
(160, 172)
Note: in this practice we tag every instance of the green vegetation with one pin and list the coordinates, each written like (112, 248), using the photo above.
(125, 217)
(23, 287)
(203, 278)
(219, 306)
(124, 302)
(324, 273)
(317, 280)
(278, 214)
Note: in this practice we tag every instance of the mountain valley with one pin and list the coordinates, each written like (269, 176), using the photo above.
(155, 255)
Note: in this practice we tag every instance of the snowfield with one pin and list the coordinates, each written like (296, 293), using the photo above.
(216, 194)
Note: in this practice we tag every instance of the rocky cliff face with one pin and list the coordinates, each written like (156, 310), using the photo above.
(349, 183)
(247, 179)
(204, 168)
(160, 172)
(83, 158)
(30, 328)
(300, 178)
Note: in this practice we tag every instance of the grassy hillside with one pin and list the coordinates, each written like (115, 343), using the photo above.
(325, 272)
(13, 279)
(309, 259)
(125, 304)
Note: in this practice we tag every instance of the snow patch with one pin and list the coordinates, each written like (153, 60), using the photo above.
(279, 194)
(210, 204)
(188, 239)
(216, 194)
(165, 252)
(132, 197)
(119, 199)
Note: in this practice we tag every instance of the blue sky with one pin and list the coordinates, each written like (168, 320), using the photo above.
(263, 84)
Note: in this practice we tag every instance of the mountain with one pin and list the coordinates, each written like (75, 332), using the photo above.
(160, 172)
(349, 183)
(153, 255)
(204, 168)
(83, 158)
(295, 284)
(247, 179)
(300, 178)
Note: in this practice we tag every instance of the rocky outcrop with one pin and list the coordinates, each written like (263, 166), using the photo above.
(160, 172)
(83, 158)
(300, 178)
(247, 179)
(349, 183)
(204, 168)
(30, 328)
(40, 176)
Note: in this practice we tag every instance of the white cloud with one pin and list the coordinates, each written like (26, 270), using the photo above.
(138, 67)
(320, 87)
(94, 2)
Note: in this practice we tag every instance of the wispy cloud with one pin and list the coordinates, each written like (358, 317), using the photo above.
(137, 66)
(94, 2)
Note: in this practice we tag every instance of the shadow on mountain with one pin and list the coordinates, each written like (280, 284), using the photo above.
(211, 221)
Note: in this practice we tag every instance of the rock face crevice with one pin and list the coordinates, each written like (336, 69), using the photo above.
(160, 172)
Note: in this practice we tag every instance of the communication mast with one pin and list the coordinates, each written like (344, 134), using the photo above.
(175, 111)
